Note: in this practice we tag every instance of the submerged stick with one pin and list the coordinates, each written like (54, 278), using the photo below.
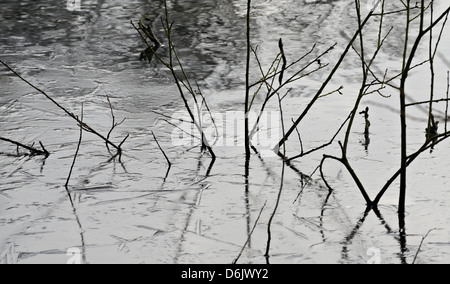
(32, 150)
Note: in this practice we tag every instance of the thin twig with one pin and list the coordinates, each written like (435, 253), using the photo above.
(78, 148)
(302, 154)
(420, 246)
(287, 67)
(161, 149)
(427, 102)
(114, 124)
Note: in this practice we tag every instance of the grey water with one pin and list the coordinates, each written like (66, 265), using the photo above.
(134, 210)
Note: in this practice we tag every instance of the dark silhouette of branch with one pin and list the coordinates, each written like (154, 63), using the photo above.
(33, 151)
(84, 125)
(165, 156)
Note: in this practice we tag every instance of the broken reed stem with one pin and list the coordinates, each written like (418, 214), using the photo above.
(250, 235)
(84, 125)
(32, 150)
(78, 148)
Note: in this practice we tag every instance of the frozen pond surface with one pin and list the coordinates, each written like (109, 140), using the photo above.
(129, 211)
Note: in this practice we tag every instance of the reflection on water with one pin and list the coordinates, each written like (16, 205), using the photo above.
(130, 211)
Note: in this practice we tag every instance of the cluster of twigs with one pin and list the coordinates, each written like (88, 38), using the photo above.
(377, 84)
(275, 82)
(83, 127)
(373, 81)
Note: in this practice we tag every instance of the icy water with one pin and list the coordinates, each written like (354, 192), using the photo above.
(134, 211)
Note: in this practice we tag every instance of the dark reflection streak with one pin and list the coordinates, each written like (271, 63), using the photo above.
(42, 166)
(294, 168)
(193, 207)
(200, 165)
(402, 233)
(383, 221)
(270, 173)
(402, 237)
(77, 218)
(247, 200)
(247, 213)
(349, 238)
(182, 238)
(322, 213)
